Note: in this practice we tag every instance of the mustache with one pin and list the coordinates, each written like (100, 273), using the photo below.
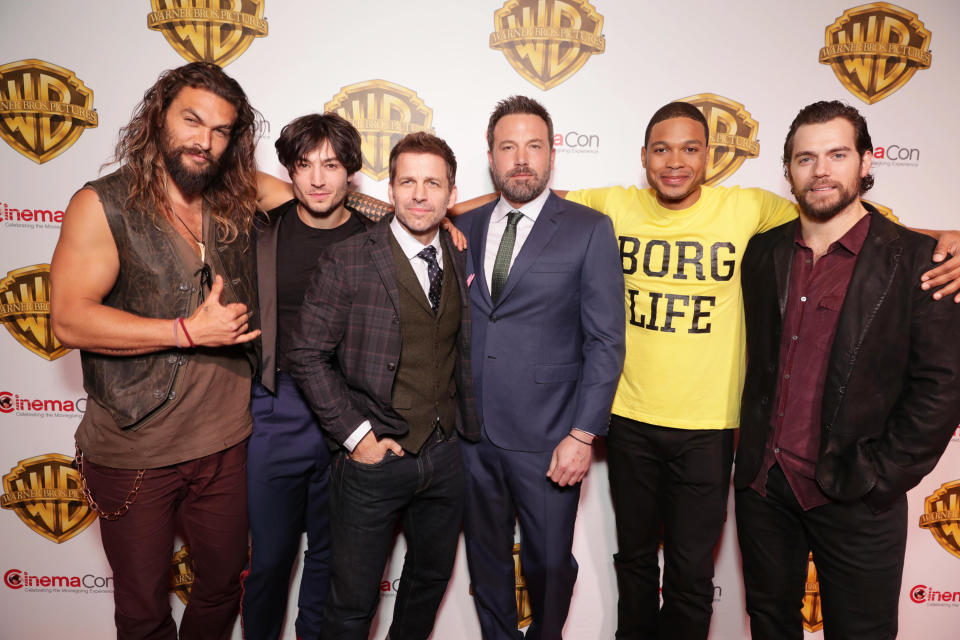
(521, 170)
(196, 151)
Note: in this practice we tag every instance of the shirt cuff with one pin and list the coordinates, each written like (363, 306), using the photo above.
(357, 435)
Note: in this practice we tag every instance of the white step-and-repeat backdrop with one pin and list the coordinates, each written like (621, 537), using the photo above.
(71, 73)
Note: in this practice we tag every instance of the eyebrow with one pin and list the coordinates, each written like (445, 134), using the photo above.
(806, 152)
(227, 126)
(690, 141)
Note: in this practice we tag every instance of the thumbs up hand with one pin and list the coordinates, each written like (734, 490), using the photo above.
(217, 325)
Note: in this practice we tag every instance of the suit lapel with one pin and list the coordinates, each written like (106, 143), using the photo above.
(873, 275)
(378, 244)
(543, 230)
(478, 242)
(782, 261)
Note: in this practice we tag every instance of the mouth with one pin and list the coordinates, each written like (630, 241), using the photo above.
(821, 188)
(674, 180)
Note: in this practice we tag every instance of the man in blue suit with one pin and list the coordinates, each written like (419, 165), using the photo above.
(546, 296)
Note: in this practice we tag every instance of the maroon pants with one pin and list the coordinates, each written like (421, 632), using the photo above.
(204, 500)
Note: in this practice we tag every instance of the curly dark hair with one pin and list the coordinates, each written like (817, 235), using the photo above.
(301, 136)
(232, 196)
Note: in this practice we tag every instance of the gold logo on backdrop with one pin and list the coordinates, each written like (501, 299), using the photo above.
(43, 108)
(811, 612)
(886, 212)
(25, 309)
(733, 135)
(217, 31)
(875, 49)
(46, 494)
(524, 610)
(383, 113)
(547, 41)
(181, 574)
(942, 516)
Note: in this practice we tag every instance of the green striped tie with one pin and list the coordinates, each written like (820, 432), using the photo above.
(501, 266)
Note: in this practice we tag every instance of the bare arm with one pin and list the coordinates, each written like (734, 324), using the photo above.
(479, 201)
(272, 191)
(84, 269)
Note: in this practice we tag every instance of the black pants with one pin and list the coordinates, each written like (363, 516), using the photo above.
(366, 501)
(858, 554)
(674, 482)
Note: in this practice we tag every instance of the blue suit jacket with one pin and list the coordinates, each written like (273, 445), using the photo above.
(547, 356)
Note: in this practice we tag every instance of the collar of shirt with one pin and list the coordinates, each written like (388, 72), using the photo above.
(411, 246)
(529, 210)
(852, 240)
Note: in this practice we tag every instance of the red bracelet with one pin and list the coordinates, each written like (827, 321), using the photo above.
(176, 336)
(186, 333)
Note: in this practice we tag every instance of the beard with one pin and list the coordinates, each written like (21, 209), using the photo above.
(190, 181)
(521, 192)
(825, 209)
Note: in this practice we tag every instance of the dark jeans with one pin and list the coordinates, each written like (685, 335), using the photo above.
(288, 471)
(674, 483)
(858, 554)
(207, 499)
(366, 501)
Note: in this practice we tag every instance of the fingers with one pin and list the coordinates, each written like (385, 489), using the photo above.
(247, 337)
(946, 276)
(213, 298)
(392, 445)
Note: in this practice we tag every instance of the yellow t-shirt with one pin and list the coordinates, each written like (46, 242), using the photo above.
(685, 329)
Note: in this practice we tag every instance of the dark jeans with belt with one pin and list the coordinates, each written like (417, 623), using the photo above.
(425, 491)
(674, 483)
(288, 469)
(206, 499)
(858, 555)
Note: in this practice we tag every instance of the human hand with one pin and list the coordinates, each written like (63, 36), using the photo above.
(948, 273)
(371, 451)
(217, 325)
(571, 460)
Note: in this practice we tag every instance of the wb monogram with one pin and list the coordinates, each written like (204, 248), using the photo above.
(43, 108)
(45, 493)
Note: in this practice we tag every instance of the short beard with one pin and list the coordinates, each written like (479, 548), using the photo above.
(521, 192)
(825, 212)
(190, 182)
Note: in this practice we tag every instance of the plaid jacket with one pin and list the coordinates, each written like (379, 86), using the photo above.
(346, 350)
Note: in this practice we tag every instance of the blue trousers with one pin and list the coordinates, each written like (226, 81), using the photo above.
(288, 470)
(504, 487)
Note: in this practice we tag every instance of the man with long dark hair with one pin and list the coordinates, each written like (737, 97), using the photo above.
(153, 279)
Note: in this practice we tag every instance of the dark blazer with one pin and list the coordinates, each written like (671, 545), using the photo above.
(267, 230)
(346, 350)
(547, 355)
(892, 393)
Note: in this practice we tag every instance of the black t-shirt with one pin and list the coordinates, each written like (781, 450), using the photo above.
(298, 246)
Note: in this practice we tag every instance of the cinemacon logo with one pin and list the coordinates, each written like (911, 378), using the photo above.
(576, 142)
(922, 594)
(15, 403)
(18, 579)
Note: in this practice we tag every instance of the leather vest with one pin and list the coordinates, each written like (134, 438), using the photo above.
(153, 283)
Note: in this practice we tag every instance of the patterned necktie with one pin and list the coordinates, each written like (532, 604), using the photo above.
(501, 266)
(435, 273)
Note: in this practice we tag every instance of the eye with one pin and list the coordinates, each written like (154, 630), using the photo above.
(223, 133)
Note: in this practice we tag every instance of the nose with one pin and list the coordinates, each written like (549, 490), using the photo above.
(316, 176)
(420, 191)
(675, 159)
(821, 167)
(204, 136)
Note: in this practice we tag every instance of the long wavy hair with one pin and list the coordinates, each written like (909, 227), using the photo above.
(231, 197)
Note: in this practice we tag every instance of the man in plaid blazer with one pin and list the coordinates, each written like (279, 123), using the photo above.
(382, 354)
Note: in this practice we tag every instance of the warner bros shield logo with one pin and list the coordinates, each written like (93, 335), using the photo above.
(25, 310)
(383, 113)
(733, 134)
(811, 612)
(547, 41)
(941, 515)
(216, 31)
(43, 108)
(46, 493)
(875, 49)
(181, 574)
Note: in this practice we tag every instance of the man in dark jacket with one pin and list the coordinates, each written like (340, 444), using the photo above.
(851, 395)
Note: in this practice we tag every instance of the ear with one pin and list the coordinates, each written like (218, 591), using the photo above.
(490, 159)
(390, 195)
(643, 157)
(553, 155)
(452, 198)
(866, 162)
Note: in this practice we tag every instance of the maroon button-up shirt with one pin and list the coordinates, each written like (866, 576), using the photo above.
(815, 296)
